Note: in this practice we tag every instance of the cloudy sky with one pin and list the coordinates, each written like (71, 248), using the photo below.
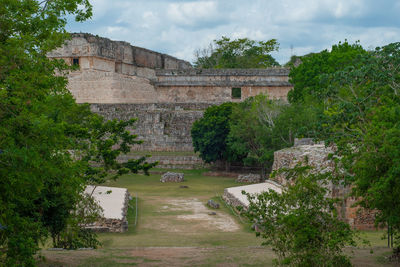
(179, 27)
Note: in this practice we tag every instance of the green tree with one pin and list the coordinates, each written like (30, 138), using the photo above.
(364, 122)
(309, 78)
(47, 141)
(250, 135)
(261, 126)
(210, 132)
(237, 54)
(301, 224)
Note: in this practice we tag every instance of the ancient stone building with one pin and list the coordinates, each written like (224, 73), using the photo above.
(318, 157)
(166, 94)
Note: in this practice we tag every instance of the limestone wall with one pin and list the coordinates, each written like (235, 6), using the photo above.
(171, 161)
(317, 156)
(117, 72)
(94, 86)
(166, 94)
(88, 45)
(114, 203)
(215, 85)
(162, 126)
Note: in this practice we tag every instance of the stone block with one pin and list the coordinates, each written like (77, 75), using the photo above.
(212, 204)
(172, 177)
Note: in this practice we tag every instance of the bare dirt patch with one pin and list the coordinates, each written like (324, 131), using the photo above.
(196, 214)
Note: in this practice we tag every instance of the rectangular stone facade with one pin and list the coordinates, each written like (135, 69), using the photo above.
(166, 94)
(162, 126)
(116, 72)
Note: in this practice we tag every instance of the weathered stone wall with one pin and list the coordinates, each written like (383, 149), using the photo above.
(317, 156)
(94, 86)
(109, 202)
(162, 126)
(88, 45)
(231, 200)
(166, 94)
(215, 85)
(171, 161)
(248, 178)
(117, 72)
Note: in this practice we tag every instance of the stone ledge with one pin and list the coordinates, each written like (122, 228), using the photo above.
(278, 71)
(222, 83)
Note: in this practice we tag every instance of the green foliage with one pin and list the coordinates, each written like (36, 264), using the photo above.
(309, 78)
(210, 132)
(260, 126)
(73, 236)
(50, 147)
(237, 93)
(356, 94)
(250, 136)
(365, 124)
(301, 224)
(237, 54)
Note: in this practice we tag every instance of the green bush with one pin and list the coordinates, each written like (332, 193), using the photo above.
(301, 224)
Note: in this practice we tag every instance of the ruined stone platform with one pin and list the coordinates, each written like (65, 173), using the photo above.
(114, 202)
(234, 197)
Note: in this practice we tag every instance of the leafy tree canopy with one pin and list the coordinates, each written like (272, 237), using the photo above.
(237, 54)
(210, 132)
(48, 143)
(261, 126)
(300, 223)
(364, 121)
(251, 131)
(309, 77)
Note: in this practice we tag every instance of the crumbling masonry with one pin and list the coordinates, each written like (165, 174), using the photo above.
(166, 94)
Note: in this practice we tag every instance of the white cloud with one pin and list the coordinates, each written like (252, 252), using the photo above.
(192, 13)
(119, 31)
(150, 20)
(179, 27)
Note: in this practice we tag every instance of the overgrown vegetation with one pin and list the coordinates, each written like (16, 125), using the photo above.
(301, 223)
(347, 96)
(249, 132)
(48, 143)
(209, 134)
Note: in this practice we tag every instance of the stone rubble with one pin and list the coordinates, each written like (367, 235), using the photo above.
(248, 178)
(318, 157)
(212, 204)
(172, 177)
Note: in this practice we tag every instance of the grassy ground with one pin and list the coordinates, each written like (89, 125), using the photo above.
(175, 229)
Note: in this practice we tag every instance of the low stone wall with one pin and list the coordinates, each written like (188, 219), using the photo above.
(234, 197)
(317, 156)
(231, 200)
(114, 224)
(248, 178)
(171, 161)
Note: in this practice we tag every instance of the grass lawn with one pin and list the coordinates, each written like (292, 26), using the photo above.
(174, 228)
